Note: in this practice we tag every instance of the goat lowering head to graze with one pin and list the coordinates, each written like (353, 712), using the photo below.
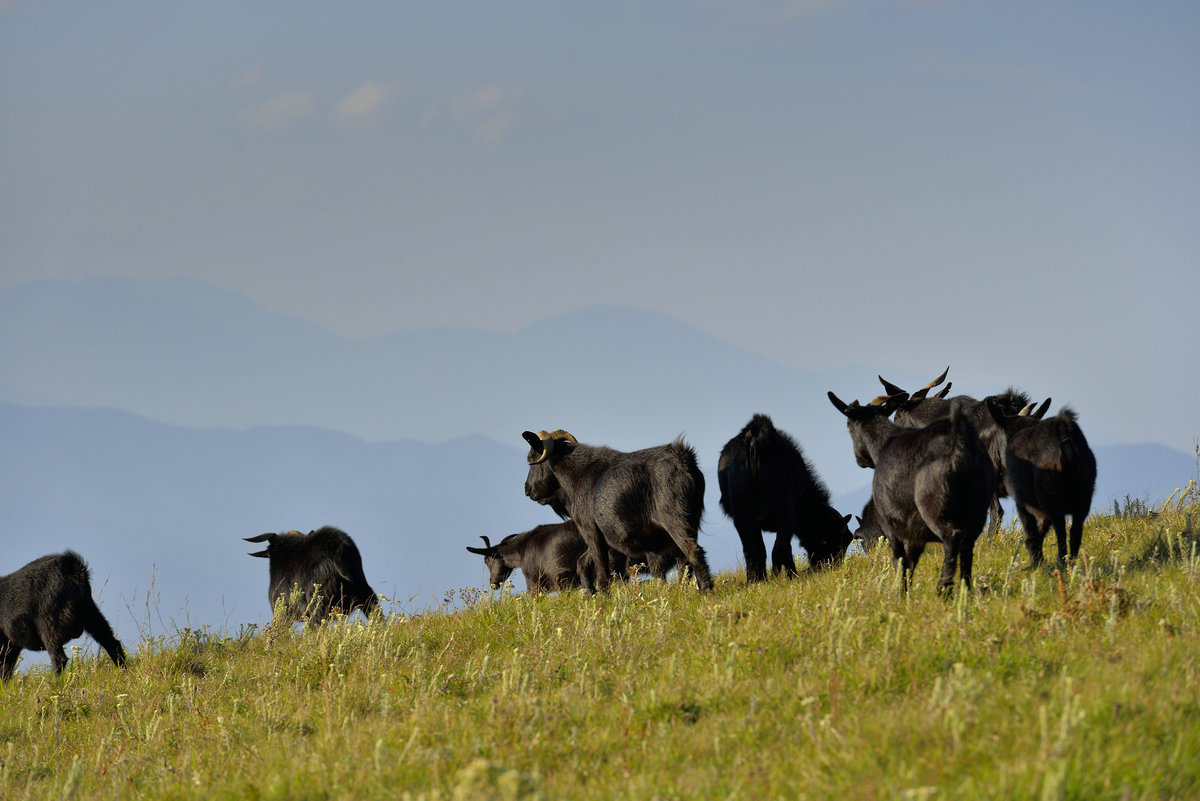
(869, 531)
(767, 485)
(44, 605)
(637, 504)
(919, 410)
(1051, 473)
(931, 484)
(547, 555)
(315, 573)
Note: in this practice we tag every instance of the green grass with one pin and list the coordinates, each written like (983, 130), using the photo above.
(1035, 686)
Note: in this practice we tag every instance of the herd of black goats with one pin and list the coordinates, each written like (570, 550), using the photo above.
(941, 465)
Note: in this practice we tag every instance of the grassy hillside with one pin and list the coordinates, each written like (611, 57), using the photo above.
(1036, 685)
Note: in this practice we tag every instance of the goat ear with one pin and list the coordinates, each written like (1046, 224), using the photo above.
(859, 519)
(892, 402)
(944, 391)
(1040, 412)
(891, 388)
(846, 519)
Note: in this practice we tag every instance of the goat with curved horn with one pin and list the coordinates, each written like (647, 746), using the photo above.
(639, 505)
(485, 550)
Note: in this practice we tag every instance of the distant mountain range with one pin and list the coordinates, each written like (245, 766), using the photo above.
(152, 424)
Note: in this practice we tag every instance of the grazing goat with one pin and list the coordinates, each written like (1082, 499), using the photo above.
(47, 603)
(869, 531)
(315, 573)
(767, 485)
(547, 555)
(1051, 473)
(931, 484)
(645, 502)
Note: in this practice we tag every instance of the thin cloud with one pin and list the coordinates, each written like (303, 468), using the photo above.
(362, 106)
(489, 112)
(281, 111)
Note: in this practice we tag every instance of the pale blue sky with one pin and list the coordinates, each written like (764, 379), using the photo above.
(1012, 188)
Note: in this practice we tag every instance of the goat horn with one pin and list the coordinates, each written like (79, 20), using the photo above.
(1027, 411)
(937, 380)
(486, 544)
(547, 448)
(548, 443)
(539, 450)
(891, 388)
(890, 402)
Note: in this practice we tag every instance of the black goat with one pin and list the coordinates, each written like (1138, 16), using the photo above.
(920, 410)
(767, 485)
(1051, 473)
(315, 573)
(44, 605)
(640, 503)
(655, 564)
(931, 484)
(869, 531)
(547, 555)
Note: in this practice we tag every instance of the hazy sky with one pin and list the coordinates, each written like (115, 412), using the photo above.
(1008, 185)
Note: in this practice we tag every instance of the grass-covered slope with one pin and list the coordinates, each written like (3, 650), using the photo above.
(1036, 685)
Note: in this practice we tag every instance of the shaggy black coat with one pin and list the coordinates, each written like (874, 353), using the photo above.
(767, 485)
(44, 605)
(314, 574)
(638, 504)
(1051, 473)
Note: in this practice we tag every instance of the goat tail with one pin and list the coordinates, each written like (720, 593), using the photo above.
(1067, 422)
(963, 436)
(75, 569)
(959, 425)
(753, 458)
